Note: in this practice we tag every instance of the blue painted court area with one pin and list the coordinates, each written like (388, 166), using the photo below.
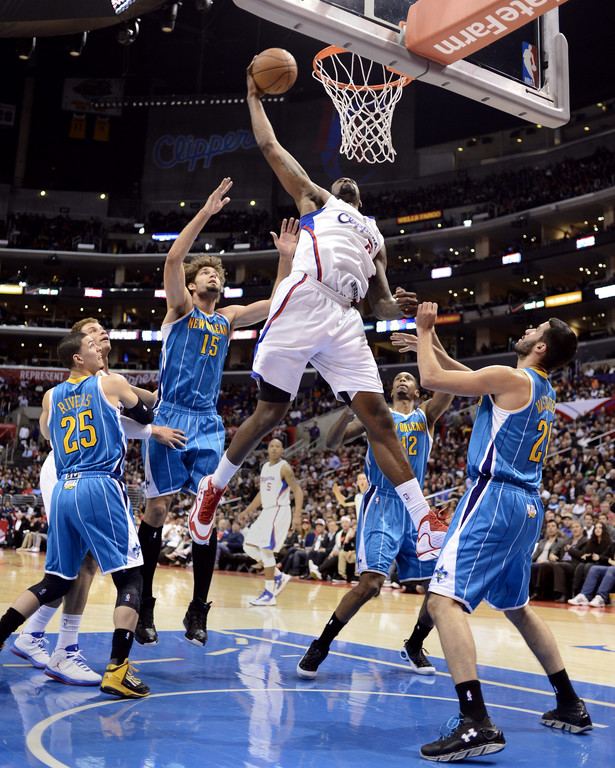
(238, 703)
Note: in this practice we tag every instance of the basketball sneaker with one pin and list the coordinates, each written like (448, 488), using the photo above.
(416, 660)
(465, 737)
(314, 571)
(430, 537)
(120, 681)
(31, 647)
(265, 598)
(145, 631)
(67, 666)
(307, 668)
(571, 717)
(580, 599)
(195, 623)
(280, 582)
(201, 515)
(597, 602)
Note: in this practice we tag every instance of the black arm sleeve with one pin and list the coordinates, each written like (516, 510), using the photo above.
(140, 412)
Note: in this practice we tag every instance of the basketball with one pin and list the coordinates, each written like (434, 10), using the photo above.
(274, 71)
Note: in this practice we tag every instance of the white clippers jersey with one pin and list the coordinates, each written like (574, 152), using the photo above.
(274, 489)
(337, 245)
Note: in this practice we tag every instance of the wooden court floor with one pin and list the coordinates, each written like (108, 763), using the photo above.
(238, 701)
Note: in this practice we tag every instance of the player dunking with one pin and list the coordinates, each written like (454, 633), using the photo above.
(90, 510)
(487, 550)
(384, 532)
(267, 533)
(340, 258)
(66, 664)
(195, 342)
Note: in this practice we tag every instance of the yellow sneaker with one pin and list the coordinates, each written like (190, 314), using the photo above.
(120, 681)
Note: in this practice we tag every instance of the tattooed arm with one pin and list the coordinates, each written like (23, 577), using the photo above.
(307, 195)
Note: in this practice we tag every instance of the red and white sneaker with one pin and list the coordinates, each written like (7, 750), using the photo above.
(201, 516)
(431, 533)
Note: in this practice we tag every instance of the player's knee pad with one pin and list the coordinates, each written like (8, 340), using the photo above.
(129, 584)
(51, 588)
(252, 551)
(268, 558)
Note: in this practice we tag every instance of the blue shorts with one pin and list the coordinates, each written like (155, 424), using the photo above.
(169, 470)
(487, 551)
(385, 533)
(91, 512)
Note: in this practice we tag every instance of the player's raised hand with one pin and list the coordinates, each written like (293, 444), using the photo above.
(407, 301)
(253, 90)
(217, 200)
(426, 316)
(173, 438)
(405, 341)
(286, 241)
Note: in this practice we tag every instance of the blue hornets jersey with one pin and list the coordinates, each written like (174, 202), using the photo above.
(416, 441)
(193, 352)
(86, 432)
(512, 445)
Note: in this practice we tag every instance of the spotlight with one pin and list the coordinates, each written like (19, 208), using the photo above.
(127, 32)
(169, 17)
(203, 5)
(25, 47)
(76, 43)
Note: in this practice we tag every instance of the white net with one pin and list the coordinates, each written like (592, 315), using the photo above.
(364, 94)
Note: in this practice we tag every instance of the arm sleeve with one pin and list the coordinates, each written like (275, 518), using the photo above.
(140, 412)
(134, 430)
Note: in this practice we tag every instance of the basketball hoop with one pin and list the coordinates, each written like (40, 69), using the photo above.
(364, 94)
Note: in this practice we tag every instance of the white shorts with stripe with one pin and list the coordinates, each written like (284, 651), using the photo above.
(270, 529)
(310, 323)
(47, 480)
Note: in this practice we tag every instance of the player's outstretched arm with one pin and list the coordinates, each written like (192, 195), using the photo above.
(493, 380)
(407, 342)
(118, 390)
(384, 304)
(345, 429)
(307, 195)
(240, 316)
(179, 300)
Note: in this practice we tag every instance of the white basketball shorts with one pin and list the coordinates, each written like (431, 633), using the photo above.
(47, 481)
(270, 529)
(310, 323)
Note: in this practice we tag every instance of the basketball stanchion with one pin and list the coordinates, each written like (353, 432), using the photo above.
(364, 94)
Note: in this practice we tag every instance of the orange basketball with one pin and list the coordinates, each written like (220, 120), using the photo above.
(274, 71)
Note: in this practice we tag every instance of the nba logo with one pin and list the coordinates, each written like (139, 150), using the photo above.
(530, 65)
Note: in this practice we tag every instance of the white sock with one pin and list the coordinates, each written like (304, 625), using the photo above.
(69, 630)
(39, 620)
(223, 474)
(411, 494)
(270, 586)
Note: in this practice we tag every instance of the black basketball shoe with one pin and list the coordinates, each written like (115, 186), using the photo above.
(145, 631)
(465, 738)
(416, 660)
(307, 668)
(195, 623)
(571, 717)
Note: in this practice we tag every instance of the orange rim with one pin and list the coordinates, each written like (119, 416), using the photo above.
(332, 50)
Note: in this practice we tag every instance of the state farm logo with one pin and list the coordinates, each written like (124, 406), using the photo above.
(466, 26)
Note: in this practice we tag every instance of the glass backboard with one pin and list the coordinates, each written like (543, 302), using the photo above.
(495, 75)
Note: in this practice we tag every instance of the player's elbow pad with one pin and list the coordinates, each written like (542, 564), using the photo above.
(140, 412)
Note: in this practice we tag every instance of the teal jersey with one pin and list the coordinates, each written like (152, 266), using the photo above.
(85, 429)
(416, 441)
(512, 445)
(193, 352)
